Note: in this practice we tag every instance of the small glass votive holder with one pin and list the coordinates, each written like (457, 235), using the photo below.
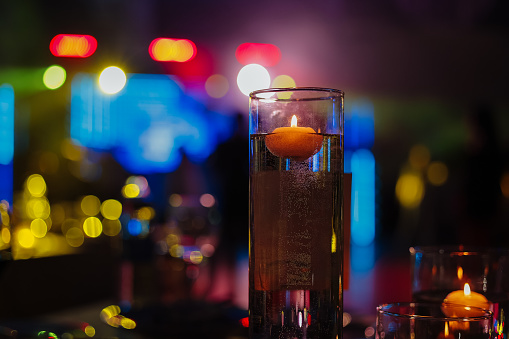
(440, 273)
(433, 321)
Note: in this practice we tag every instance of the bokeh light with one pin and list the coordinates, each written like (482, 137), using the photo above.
(410, 190)
(111, 209)
(165, 49)
(89, 330)
(437, 173)
(74, 237)
(504, 184)
(25, 238)
(92, 227)
(90, 205)
(38, 208)
(130, 191)
(256, 53)
(36, 185)
(112, 80)
(175, 200)
(217, 86)
(253, 77)
(71, 151)
(54, 77)
(207, 200)
(73, 45)
(419, 156)
(111, 227)
(39, 228)
(283, 81)
(134, 227)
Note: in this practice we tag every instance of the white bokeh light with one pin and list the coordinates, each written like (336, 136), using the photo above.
(253, 77)
(112, 80)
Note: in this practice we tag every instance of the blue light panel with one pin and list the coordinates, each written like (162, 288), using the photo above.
(6, 142)
(359, 125)
(362, 164)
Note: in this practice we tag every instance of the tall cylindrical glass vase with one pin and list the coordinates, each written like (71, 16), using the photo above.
(296, 213)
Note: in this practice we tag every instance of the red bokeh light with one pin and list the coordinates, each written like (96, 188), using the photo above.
(73, 45)
(254, 53)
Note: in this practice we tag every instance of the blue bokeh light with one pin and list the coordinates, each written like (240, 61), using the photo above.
(148, 126)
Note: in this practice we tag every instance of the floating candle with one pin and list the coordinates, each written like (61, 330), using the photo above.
(467, 298)
(297, 143)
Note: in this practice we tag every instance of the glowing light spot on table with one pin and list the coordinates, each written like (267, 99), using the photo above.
(217, 86)
(92, 227)
(36, 185)
(25, 238)
(39, 228)
(111, 209)
(90, 205)
(112, 80)
(54, 77)
(252, 77)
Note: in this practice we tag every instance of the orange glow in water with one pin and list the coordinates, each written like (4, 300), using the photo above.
(165, 49)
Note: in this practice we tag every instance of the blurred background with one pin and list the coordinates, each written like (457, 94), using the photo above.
(124, 151)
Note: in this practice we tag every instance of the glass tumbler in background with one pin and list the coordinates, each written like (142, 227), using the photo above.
(296, 211)
(439, 271)
(432, 321)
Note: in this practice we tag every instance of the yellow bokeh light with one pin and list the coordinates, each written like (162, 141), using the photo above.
(6, 235)
(110, 311)
(25, 238)
(504, 184)
(131, 191)
(419, 156)
(217, 86)
(36, 185)
(111, 209)
(410, 190)
(172, 239)
(92, 227)
(112, 80)
(127, 323)
(89, 330)
(175, 200)
(38, 208)
(196, 257)
(90, 205)
(74, 237)
(39, 228)
(283, 81)
(111, 227)
(437, 173)
(176, 251)
(146, 213)
(5, 218)
(54, 77)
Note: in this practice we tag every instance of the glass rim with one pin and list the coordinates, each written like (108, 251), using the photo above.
(457, 250)
(380, 310)
(333, 93)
